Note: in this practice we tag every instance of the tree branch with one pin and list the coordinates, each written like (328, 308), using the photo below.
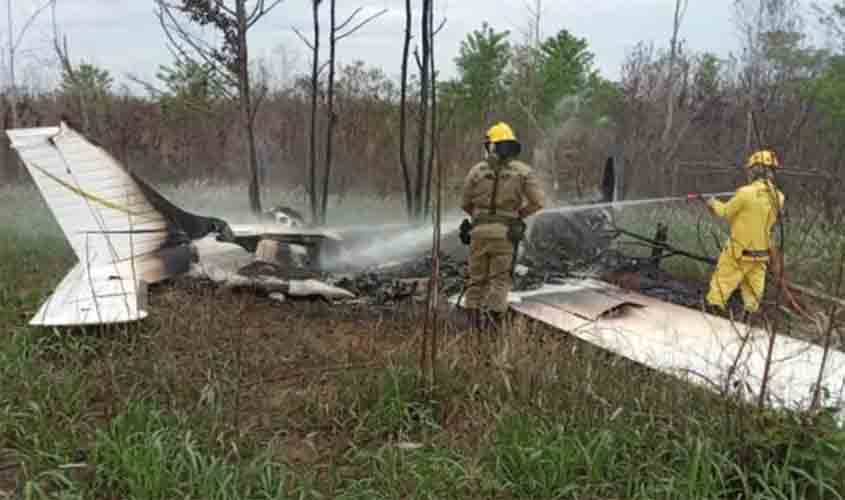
(439, 27)
(303, 38)
(259, 98)
(322, 67)
(203, 52)
(152, 89)
(417, 58)
(361, 25)
(261, 11)
(348, 19)
(227, 10)
(29, 22)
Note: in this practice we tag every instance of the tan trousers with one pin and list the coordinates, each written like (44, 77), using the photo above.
(489, 273)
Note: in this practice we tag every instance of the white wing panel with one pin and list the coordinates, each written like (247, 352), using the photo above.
(697, 347)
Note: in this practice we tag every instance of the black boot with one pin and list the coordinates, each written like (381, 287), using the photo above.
(474, 316)
(497, 322)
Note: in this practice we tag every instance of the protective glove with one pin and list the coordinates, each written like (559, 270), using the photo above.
(465, 231)
(694, 196)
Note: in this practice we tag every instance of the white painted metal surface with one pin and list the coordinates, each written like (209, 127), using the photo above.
(220, 263)
(119, 238)
(261, 228)
(691, 345)
(94, 200)
(109, 224)
(89, 296)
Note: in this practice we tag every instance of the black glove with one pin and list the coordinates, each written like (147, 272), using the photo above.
(466, 228)
(516, 230)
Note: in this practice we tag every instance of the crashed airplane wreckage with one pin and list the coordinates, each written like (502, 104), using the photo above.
(126, 235)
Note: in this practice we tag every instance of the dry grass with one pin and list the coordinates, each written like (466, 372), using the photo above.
(223, 395)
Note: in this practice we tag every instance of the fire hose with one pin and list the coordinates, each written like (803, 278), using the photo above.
(776, 270)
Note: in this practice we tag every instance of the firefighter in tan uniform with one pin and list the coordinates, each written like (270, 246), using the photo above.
(498, 194)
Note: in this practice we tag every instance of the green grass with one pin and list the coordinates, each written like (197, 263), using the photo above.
(307, 401)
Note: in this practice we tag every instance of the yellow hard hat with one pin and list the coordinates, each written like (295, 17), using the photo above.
(763, 157)
(500, 132)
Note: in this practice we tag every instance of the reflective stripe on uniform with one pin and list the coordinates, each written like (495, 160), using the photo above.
(755, 253)
(492, 219)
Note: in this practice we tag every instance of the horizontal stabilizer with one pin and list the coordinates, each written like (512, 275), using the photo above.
(88, 296)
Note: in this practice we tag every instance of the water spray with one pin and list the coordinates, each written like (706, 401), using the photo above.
(631, 203)
(404, 243)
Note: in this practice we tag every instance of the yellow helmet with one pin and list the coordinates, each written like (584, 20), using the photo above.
(763, 157)
(500, 132)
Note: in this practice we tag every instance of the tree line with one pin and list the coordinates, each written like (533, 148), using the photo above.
(682, 119)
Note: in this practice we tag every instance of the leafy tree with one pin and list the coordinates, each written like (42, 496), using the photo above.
(189, 86)
(233, 20)
(604, 100)
(706, 78)
(565, 69)
(481, 64)
(88, 82)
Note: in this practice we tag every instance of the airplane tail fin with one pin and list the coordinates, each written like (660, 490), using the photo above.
(120, 236)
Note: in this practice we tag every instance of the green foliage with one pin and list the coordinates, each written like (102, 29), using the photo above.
(190, 85)
(829, 90)
(706, 80)
(480, 88)
(604, 100)
(87, 81)
(558, 458)
(497, 79)
(357, 81)
(427, 473)
(399, 411)
(217, 14)
(565, 68)
(146, 454)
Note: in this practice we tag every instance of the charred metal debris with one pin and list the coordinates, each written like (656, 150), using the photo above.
(558, 246)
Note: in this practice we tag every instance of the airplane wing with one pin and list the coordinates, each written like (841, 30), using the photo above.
(696, 347)
(119, 237)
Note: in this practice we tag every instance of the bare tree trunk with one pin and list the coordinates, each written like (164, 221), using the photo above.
(670, 98)
(247, 114)
(403, 117)
(423, 118)
(315, 68)
(331, 116)
(433, 130)
(13, 93)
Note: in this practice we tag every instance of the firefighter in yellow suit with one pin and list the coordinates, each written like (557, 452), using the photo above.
(752, 213)
(498, 193)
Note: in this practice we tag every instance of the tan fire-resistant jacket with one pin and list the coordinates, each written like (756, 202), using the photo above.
(518, 188)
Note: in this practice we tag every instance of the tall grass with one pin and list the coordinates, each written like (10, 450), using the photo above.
(313, 401)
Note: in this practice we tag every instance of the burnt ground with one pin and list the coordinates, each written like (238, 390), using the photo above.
(557, 246)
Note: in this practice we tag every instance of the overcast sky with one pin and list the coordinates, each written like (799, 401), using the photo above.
(124, 36)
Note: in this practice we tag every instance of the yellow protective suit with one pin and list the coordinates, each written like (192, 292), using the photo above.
(751, 213)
